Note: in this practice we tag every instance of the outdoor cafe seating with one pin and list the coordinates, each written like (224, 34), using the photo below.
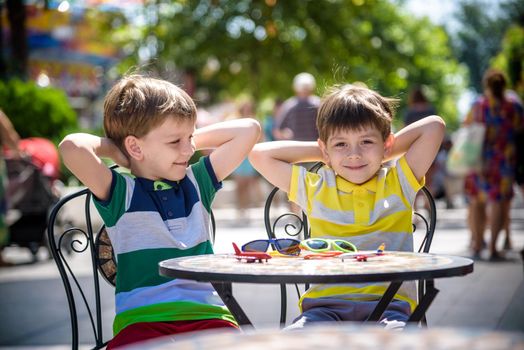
(85, 298)
(87, 237)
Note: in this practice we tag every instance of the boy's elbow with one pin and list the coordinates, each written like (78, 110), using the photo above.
(255, 128)
(254, 154)
(257, 155)
(66, 145)
(70, 146)
(437, 120)
(438, 124)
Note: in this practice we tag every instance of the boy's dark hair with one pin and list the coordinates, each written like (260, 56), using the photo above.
(138, 103)
(350, 107)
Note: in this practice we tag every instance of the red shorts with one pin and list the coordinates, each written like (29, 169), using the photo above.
(141, 331)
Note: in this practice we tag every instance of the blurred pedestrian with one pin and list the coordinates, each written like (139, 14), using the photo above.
(437, 179)
(519, 170)
(418, 106)
(298, 115)
(269, 124)
(247, 179)
(493, 184)
(8, 139)
(297, 119)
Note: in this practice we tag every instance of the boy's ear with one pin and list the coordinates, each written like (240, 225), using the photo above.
(388, 145)
(132, 145)
(323, 149)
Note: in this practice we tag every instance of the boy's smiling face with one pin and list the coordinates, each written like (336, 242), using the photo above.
(166, 150)
(355, 155)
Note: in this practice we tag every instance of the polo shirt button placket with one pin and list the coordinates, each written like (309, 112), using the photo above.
(359, 197)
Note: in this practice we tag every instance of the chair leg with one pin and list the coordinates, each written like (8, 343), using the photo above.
(424, 303)
(283, 305)
(424, 322)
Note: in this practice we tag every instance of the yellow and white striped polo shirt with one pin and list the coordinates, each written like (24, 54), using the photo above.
(367, 215)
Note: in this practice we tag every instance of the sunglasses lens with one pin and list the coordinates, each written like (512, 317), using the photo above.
(316, 244)
(288, 246)
(345, 245)
(256, 246)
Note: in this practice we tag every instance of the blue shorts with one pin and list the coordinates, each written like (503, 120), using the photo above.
(328, 309)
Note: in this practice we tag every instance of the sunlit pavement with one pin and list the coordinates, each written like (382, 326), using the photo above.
(34, 312)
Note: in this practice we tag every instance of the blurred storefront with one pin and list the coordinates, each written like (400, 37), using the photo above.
(68, 50)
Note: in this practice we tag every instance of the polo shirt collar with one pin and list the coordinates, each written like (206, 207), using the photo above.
(348, 187)
(152, 185)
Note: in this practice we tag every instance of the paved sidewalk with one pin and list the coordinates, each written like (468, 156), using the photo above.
(35, 313)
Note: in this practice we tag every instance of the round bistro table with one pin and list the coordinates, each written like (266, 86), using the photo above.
(396, 267)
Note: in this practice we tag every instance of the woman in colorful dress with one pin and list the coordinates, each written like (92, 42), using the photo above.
(493, 184)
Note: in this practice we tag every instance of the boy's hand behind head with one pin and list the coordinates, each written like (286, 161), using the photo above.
(119, 157)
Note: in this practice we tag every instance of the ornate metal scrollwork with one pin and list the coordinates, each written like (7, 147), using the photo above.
(293, 229)
(71, 231)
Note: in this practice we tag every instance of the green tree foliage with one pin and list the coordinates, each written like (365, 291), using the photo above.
(36, 111)
(511, 58)
(483, 25)
(256, 47)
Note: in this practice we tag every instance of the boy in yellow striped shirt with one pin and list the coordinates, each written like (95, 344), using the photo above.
(355, 196)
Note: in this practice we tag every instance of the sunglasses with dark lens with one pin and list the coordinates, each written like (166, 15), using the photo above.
(324, 244)
(286, 246)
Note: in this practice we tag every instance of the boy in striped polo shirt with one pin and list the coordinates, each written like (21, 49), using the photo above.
(356, 196)
(161, 209)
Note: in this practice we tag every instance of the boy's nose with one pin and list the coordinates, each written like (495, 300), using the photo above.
(353, 153)
(189, 149)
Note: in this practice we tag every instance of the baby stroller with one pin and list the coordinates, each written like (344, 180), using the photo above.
(30, 192)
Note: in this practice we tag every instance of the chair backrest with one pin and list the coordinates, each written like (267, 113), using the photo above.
(280, 222)
(66, 244)
(88, 237)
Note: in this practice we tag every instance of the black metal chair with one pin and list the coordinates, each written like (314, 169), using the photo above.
(95, 242)
(296, 226)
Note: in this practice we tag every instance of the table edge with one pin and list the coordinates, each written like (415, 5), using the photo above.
(205, 276)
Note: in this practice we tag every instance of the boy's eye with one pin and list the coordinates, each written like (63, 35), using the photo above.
(367, 141)
(340, 144)
(174, 142)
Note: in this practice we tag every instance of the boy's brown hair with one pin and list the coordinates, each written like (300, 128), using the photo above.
(351, 107)
(138, 103)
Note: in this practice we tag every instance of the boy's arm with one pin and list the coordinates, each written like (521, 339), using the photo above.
(231, 140)
(81, 154)
(274, 159)
(420, 141)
